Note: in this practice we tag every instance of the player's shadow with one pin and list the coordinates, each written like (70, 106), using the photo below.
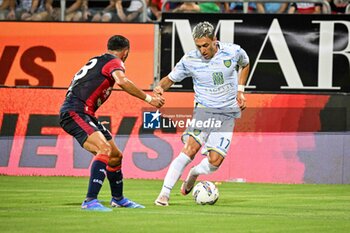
(79, 203)
(72, 204)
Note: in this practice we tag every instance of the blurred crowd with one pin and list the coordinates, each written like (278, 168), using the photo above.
(133, 10)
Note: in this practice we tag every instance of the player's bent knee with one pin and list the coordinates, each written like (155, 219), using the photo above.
(215, 161)
(115, 161)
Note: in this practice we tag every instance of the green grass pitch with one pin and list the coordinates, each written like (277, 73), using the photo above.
(52, 204)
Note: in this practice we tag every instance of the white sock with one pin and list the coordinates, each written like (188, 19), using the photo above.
(203, 168)
(176, 168)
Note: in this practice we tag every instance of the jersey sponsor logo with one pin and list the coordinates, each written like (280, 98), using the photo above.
(229, 87)
(218, 78)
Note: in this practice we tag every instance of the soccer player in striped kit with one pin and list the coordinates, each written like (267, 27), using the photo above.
(89, 89)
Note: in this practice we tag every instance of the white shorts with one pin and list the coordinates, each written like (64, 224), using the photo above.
(213, 137)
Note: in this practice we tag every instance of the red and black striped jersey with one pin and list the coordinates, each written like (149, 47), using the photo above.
(92, 84)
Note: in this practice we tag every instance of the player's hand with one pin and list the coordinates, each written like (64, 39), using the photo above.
(158, 91)
(241, 100)
(157, 101)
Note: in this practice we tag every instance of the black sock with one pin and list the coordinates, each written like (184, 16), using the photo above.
(115, 179)
(97, 176)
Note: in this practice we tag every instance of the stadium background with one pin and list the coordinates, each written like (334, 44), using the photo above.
(287, 135)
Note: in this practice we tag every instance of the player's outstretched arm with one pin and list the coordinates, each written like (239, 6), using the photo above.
(162, 86)
(128, 86)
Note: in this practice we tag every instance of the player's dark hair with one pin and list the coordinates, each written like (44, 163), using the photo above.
(118, 42)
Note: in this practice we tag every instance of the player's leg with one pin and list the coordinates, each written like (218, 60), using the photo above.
(115, 178)
(84, 129)
(97, 144)
(114, 172)
(207, 166)
(176, 169)
(216, 149)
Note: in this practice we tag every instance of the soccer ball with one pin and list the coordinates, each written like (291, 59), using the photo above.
(205, 192)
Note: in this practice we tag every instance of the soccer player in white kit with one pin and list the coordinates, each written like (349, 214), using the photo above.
(219, 94)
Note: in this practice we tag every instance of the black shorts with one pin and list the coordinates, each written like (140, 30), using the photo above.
(81, 125)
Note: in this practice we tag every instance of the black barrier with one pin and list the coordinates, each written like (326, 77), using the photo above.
(288, 53)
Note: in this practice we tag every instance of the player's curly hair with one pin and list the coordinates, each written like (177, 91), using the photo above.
(203, 29)
(118, 42)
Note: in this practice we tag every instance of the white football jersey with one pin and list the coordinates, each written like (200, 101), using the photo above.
(215, 80)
